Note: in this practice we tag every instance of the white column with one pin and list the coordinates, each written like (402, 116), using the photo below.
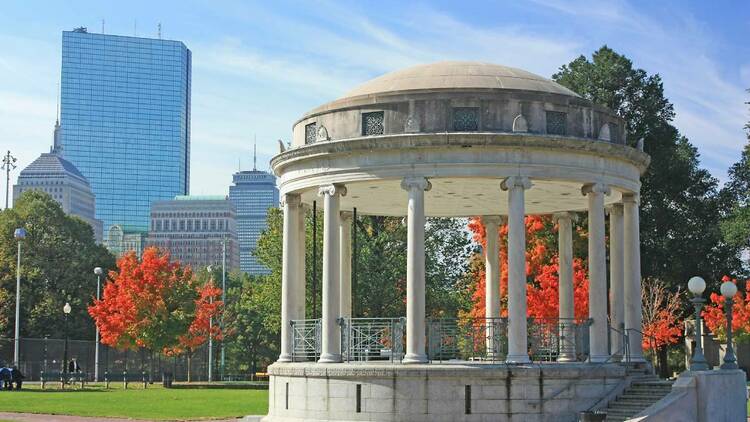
(415, 270)
(491, 281)
(616, 286)
(345, 267)
(331, 335)
(289, 272)
(598, 331)
(632, 276)
(302, 275)
(517, 334)
(565, 286)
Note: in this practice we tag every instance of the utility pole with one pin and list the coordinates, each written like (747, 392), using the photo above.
(9, 163)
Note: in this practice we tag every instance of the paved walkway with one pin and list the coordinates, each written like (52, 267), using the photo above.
(33, 417)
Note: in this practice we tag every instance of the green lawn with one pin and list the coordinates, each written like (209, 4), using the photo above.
(155, 403)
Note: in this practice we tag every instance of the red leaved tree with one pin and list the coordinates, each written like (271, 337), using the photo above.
(662, 324)
(155, 303)
(715, 316)
(541, 272)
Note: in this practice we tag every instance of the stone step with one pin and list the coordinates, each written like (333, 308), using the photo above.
(637, 400)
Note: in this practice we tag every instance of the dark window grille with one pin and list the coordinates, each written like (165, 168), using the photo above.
(556, 123)
(465, 119)
(311, 132)
(372, 123)
(614, 133)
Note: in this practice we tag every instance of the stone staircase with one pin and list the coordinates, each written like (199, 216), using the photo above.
(642, 393)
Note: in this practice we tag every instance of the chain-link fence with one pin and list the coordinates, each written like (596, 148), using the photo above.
(47, 355)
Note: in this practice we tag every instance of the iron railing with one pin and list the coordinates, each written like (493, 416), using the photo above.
(366, 339)
(470, 339)
(306, 339)
(467, 339)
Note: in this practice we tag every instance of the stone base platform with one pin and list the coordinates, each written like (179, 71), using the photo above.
(454, 391)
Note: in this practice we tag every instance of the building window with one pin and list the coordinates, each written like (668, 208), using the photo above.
(556, 123)
(311, 132)
(372, 123)
(614, 133)
(465, 119)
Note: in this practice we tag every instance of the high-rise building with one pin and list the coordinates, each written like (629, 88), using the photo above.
(63, 182)
(126, 121)
(196, 230)
(253, 193)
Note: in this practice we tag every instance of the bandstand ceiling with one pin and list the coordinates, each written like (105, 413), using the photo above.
(459, 197)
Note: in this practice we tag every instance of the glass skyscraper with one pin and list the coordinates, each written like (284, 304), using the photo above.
(253, 193)
(125, 111)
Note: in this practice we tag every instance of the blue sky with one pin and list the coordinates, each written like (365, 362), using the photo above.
(258, 66)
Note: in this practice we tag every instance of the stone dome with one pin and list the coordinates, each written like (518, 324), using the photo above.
(458, 75)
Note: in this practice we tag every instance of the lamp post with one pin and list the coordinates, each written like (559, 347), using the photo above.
(728, 290)
(210, 328)
(223, 299)
(19, 235)
(98, 271)
(66, 311)
(697, 285)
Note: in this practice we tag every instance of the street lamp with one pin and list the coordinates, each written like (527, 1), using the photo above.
(210, 328)
(19, 235)
(98, 271)
(66, 311)
(697, 285)
(728, 290)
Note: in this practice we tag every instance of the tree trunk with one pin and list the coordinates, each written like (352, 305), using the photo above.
(663, 363)
(189, 367)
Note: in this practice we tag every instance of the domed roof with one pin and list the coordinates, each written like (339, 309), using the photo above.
(458, 75)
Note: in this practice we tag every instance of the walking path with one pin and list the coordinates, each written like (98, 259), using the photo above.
(34, 417)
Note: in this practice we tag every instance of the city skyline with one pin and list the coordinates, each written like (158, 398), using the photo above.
(248, 82)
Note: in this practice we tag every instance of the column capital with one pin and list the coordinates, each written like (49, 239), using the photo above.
(511, 182)
(633, 198)
(565, 215)
(616, 209)
(493, 219)
(416, 182)
(292, 199)
(346, 216)
(595, 188)
(332, 189)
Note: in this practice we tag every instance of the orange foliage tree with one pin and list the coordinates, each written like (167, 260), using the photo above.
(541, 272)
(716, 318)
(157, 304)
(661, 315)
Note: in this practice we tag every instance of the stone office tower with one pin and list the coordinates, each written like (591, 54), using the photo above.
(253, 193)
(58, 177)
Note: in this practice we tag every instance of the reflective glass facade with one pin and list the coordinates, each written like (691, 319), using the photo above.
(253, 193)
(125, 114)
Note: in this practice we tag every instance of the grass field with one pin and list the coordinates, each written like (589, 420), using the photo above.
(154, 403)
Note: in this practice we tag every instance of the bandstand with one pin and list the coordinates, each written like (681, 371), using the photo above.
(459, 139)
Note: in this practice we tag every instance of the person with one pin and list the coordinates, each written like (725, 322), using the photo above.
(73, 366)
(17, 377)
(4, 377)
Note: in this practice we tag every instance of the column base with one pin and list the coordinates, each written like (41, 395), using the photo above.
(330, 358)
(564, 358)
(414, 358)
(598, 358)
(636, 359)
(517, 359)
(285, 357)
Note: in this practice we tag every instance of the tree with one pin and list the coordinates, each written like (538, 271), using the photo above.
(679, 200)
(716, 319)
(736, 194)
(541, 272)
(157, 304)
(662, 325)
(59, 255)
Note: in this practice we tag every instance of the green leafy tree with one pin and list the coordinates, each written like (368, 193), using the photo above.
(680, 204)
(59, 255)
(736, 193)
